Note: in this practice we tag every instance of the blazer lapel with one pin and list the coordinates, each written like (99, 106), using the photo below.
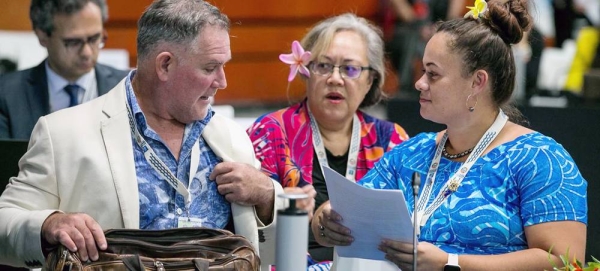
(104, 79)
(117, 140)
(107, 77)
(38, 98)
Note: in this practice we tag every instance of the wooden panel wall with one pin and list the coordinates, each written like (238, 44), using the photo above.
(261, 30)
(14, 15)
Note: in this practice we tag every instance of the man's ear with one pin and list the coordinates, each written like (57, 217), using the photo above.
(164, 63)
(43, 38)
(480, 81)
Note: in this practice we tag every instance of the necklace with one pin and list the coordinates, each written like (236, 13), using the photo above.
(455, 156)
(453, 183)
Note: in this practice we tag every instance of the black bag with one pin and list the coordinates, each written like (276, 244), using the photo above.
(173, 249)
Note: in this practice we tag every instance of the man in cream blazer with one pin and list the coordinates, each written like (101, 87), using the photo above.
(80, 174)
(81, 160)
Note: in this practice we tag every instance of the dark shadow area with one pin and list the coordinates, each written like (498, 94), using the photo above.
(7, 66)
(12, 150)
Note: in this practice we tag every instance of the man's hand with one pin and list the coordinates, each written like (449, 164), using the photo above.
(242, 184)
(78, 232)
(305, 204)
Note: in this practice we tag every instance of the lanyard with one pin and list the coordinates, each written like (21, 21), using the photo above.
(320, 148)
(454, 182)
(159, 166)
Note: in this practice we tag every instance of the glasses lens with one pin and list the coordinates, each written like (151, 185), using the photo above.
(322, 68)
(351, 71)
(94, 40)
(73, 44)
(99, 43)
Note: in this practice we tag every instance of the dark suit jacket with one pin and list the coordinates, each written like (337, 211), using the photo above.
(24, 97)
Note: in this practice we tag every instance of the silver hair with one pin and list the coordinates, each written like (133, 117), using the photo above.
(176, 21)
(318, 39)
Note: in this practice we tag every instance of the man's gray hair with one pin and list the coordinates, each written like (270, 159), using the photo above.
(176, 21)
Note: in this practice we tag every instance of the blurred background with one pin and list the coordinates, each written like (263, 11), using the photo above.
(261, 30)
(554, 61)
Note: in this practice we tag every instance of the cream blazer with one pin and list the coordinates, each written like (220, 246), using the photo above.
(80, 159)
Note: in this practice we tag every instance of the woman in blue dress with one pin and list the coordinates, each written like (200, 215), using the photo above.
(494, 195)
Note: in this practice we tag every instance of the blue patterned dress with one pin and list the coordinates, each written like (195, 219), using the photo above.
(527, 181)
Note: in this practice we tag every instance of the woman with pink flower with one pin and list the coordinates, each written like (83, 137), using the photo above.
(343, 68)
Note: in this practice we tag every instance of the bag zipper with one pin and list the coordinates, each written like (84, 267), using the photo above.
(177, 247)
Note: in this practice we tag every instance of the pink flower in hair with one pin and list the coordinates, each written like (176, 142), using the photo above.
(298, 60)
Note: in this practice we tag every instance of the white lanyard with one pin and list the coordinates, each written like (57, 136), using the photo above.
(159, 166)
(454, 182)
(352, 152)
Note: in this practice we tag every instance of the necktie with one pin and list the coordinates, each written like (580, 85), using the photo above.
(73, 91)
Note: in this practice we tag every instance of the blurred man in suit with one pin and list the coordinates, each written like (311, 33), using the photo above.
(73, 33)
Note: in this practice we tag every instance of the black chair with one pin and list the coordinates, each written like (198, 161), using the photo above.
(10, 153)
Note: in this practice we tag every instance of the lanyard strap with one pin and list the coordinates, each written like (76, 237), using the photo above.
(159, 166)
(352, 153)
(454, 182)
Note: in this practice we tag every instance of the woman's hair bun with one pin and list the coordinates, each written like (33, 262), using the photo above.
(509, 19)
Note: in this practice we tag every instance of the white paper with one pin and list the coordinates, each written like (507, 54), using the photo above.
(371, 215)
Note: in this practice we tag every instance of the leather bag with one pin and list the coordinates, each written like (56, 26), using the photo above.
(174, 249)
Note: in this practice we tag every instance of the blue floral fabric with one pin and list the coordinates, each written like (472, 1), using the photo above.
(160, 204)
(527, 181)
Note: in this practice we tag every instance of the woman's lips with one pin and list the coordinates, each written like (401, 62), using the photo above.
(334, 96)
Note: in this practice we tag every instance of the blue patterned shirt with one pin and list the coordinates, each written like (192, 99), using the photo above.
(527, 181)
(160, 204)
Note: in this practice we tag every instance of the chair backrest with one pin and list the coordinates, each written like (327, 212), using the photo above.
(10, 153)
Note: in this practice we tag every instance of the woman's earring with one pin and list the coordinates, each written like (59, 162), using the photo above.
(471, 108)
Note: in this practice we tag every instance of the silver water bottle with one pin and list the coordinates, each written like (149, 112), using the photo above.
(292, 236)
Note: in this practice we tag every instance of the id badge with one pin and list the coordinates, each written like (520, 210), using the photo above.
(188, 222)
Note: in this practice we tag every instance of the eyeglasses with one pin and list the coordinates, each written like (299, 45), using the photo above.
(346, 71)
(75, 45)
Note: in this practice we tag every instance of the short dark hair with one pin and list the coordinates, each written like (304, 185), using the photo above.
(41, 12)
(485, 43)
(176, 21)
